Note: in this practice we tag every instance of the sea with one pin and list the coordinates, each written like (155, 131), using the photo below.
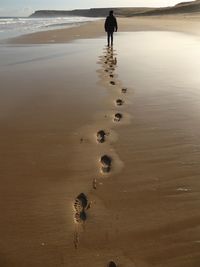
(15, 26)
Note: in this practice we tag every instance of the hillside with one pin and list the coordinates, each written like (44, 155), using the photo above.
(181, 8)
(93, 12)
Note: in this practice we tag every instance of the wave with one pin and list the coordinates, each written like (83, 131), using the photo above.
(27, 25)
(43, 21)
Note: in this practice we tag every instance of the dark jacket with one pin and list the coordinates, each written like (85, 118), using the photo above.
(110, 24)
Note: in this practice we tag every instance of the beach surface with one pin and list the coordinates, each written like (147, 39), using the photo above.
(100, 147)
(180, 23)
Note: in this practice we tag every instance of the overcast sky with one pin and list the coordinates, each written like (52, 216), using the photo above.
(26, 7)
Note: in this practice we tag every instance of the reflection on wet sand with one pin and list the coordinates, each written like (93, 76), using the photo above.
(85, 181)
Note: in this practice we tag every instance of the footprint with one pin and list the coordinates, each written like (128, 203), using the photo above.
(112, 264)
(101, 136)
(80, 217)
(124, 90)
(83, 200)
(119, 102)
(80, 204)
(112, 82)
(77, 205)
(115, 61)
(111, 75)
(106, 163)
(106, 70)
(83, 216)
(118, 117)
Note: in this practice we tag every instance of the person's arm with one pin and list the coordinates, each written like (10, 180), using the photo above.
(116, 26)
(106, 24)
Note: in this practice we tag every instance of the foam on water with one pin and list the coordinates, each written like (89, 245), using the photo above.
(10, 27)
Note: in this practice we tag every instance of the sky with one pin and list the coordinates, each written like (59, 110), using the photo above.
(26, 7)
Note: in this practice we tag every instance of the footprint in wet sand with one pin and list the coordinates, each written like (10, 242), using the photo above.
(112, 264)
(83, 200)
(115, 61)
(119, 102)
(80, 205)
(112, 82)
(80, 217)
(124, 90)
(118, 117)
(106, 163)
(101, 136)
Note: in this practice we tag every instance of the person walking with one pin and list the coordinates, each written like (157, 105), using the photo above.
(110, 27)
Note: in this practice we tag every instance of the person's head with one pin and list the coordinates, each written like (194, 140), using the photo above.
(111, 13)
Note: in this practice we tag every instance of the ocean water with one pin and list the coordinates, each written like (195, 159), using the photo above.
(14, 26)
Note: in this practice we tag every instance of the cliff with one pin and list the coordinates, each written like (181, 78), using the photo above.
(185, 7)
(93, 12)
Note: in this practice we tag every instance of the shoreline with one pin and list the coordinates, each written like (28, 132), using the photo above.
(180, 23)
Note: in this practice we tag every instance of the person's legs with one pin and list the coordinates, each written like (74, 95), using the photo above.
(108, 38)
(111, 35)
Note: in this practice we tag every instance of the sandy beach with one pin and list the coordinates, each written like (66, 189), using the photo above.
(179, 23)
(100, 147)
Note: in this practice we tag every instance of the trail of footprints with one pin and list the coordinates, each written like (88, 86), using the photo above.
(81, 203)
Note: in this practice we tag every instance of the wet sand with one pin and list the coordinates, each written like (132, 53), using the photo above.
(188, 23)
(61, 138)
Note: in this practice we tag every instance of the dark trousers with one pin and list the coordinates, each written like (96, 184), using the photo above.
(110, 37)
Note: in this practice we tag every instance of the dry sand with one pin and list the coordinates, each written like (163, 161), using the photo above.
(53, 101)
